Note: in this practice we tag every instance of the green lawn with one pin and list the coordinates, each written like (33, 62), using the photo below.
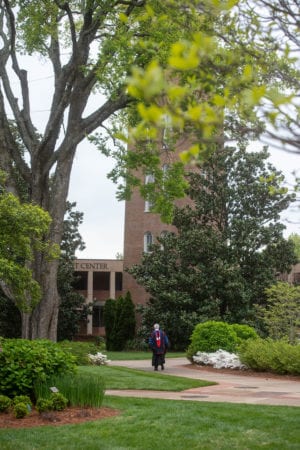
(164, 424)
(124, 378)
(131, 356)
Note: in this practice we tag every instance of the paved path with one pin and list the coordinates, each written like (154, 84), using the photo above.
(230, 388)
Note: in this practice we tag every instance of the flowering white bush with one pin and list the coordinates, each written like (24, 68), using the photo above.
(219, 360)
(99, 359)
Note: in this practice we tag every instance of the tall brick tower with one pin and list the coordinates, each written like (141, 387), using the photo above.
(142, 227)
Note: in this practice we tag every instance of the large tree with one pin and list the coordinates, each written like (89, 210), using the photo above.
(228, 248)
(90, 46)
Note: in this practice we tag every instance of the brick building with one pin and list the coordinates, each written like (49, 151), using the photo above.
(97, 280)
(142, 227)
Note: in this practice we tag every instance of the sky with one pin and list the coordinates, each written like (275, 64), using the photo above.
(95, 195)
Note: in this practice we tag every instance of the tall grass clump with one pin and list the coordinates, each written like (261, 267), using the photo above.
(269, 355)
(86, 390)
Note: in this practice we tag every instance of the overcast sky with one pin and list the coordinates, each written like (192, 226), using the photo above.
(103, 226)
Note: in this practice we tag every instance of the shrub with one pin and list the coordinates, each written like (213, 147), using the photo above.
(211, 336)
(22, 399)
(5, 403)
(59, 401)
(20, 410)
(55, 402)
(23, 362)
(269, 355)
(244, 332)
(109, 313)
(43, 405)
(122, 312)
(80, 389)
(81, 350)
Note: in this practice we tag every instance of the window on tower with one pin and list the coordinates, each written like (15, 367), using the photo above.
(149, 178)
(148, 241)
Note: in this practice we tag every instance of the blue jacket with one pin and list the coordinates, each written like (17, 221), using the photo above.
(158, 341)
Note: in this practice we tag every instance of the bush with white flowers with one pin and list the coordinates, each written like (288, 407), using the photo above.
(99, 359)
(219, 360)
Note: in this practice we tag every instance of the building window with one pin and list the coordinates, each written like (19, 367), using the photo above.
(119, 281)
(148, 241)
(149, 178)
(98, 315)
(101, 281)
(148, 205)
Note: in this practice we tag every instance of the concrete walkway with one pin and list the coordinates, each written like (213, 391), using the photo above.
(230, 388)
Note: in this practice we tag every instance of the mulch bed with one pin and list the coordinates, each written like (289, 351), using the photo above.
(72, 415)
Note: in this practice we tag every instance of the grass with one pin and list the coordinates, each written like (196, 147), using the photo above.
(135, 356)
(124, 378)
(148, 423)
(81, 389)
(151, 423)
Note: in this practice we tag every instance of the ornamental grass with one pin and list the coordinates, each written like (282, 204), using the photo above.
(86, 390)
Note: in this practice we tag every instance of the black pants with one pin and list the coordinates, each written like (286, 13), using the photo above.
(158, 359)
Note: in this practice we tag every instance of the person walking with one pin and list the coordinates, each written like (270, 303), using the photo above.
(158, 342)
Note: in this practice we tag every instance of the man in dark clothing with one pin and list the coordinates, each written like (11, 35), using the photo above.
(158, 342)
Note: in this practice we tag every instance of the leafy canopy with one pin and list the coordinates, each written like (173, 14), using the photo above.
(220, 71)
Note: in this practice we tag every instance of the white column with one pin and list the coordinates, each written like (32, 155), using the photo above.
(112, 285)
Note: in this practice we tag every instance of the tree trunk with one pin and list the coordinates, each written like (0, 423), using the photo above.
(42, 322)
(45, 315)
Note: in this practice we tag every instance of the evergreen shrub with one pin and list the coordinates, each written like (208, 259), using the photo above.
(20, 410)
(23, 362)
(120, 322)
(59, 401)
(22, 399)
(267, 355)
(5, 403)
(211, 336)
(244, 332)
(55, 402)
(43, 405)
(81, 350)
